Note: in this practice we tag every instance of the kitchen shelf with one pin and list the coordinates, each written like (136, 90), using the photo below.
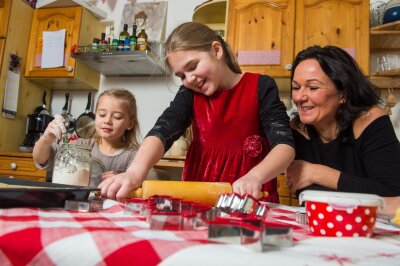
(123, 63)
(385, 82)
(385, 37)
(211, 13)
(387, 73)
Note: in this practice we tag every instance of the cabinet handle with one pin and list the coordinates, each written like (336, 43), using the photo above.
(70, 69)
(13, 166)
(288, 66)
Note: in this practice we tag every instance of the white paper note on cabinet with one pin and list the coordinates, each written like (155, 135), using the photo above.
(53, 48)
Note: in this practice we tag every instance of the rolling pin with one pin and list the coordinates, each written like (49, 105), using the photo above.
(201, 192)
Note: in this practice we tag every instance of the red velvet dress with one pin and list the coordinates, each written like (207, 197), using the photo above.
(228, 140)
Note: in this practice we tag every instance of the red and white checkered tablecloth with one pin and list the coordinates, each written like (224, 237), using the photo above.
(32, 236)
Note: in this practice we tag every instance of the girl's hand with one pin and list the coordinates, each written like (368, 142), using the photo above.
(300, 175)
(56, 128)
(118, 186)
(107, 174)
(248, 184)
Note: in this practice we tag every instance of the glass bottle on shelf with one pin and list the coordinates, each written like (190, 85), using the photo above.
(110, 39)
(142, 40)
(124, 38)
(103, 42)
(133, 39)
(124, 34)
(95, 45)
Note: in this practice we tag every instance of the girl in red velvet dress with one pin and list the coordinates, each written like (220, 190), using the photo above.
(241, 131)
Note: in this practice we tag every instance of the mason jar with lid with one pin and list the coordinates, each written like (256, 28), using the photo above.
(73, 165)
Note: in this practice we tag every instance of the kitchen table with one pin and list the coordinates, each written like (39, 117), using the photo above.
(33, 236)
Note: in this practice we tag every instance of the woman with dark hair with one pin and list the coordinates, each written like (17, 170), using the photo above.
(344, 140)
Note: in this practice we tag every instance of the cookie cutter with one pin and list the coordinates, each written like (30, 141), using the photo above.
(247, 204)
(95, 204)
(168, 213)
(245, 223)
(252, 232)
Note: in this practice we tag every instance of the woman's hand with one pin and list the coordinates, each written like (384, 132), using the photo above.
(118, 186)
(248, 184)
(55, 129)
(300, 175)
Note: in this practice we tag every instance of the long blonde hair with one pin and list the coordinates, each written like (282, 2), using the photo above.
(130, 137)
(197, 36)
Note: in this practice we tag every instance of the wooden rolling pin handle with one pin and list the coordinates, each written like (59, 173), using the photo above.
(136, 193)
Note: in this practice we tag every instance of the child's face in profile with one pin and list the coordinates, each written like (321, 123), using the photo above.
(112, 118)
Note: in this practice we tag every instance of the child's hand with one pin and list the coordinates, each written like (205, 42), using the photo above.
(107, 174)
(55, 128)
(248, 184)
(118, 186)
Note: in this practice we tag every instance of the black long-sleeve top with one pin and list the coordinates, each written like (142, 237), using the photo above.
(274, 120)
(369, 164)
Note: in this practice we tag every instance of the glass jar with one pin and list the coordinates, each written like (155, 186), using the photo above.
(73, 165)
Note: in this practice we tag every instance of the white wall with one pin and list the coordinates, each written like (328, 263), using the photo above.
(153, 94)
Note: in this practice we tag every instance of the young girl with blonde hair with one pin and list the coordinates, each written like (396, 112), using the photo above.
(115, 141)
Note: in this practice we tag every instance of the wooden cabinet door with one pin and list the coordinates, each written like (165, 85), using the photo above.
(261, 33)
(343, 23)
(53, 19)
(5, 6)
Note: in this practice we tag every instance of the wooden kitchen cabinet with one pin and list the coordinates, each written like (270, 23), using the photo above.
(20, 165)
(266, 35)
(5, 6)
(343, 23)
(285, 197)
(262, 35)
(81, 27)
(12, 131)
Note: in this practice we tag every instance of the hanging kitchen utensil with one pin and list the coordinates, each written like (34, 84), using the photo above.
(85, 127)
(42, 109)
(70, 120)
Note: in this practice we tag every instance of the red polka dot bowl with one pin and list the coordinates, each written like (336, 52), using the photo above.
(339, 214)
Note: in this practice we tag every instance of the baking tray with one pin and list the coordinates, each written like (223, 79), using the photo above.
(42, 194)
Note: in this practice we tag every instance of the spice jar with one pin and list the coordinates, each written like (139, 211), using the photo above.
(73, 165)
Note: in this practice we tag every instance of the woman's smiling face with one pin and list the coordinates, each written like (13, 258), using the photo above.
(315, 95)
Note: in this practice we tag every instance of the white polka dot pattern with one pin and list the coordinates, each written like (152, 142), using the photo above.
(326, 220)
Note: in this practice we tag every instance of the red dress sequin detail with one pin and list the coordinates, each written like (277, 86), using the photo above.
(228, 139)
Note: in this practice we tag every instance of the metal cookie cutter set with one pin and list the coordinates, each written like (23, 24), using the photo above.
(234, 219)
(243, 220)
(168, 213)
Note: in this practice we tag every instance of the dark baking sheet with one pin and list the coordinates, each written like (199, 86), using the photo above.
(48, 196)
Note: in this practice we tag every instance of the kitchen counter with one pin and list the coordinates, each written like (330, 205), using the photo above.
(110, 237)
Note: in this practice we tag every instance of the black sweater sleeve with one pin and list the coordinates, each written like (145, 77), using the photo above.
(175, 119)
(273, 116)
(380, 153)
